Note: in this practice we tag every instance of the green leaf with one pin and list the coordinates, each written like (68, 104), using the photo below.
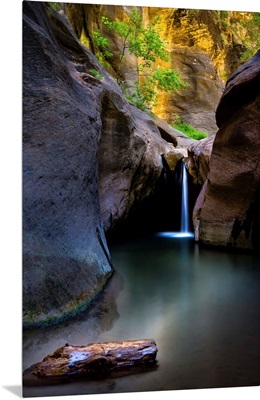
(189, 130)
(145, 43)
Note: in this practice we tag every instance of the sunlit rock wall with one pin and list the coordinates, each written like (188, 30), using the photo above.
(203, 50)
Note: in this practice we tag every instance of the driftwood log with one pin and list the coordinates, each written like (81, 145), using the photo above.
(93, 360)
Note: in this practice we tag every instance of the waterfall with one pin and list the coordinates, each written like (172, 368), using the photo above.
(184, 229)
(184, 201)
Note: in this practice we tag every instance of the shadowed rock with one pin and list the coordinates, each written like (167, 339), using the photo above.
(230, 213)
(66, 259)
(130, 159)
(198, 159)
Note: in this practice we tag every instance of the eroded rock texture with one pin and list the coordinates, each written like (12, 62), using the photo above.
(130, 159)
(230, 213)
(89, 157)
(66, 260)
(199, 154)
(203, 50)
(195, 104)
(86, 19)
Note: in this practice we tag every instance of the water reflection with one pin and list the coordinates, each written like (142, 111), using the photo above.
(201, 306)
(81, 330)
(177, 235)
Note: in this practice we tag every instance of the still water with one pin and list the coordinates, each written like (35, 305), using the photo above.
(201, 306)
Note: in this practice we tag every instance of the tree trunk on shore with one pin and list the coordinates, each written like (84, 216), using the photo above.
(93, 360)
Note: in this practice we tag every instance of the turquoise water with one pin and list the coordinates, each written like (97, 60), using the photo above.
(201, 306)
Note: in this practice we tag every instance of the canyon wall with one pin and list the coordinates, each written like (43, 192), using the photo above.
(65, 256)
(228, 208)
(203, 50)
(89, 157)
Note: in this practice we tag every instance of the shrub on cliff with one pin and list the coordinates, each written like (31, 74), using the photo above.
(146, 44)
(188, 129)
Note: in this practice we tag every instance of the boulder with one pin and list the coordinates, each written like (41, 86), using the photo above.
(241, 88)
(167, 132)
(198, 159)
(174, 136)
(230, 213)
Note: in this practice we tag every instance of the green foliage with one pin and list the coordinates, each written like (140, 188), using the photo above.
(95, 73)
(188, 129)
(160, 79)
(143, 42)
(103, 44)
(167, 80)
(146, 44)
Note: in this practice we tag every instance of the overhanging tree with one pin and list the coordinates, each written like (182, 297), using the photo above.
(148, 46)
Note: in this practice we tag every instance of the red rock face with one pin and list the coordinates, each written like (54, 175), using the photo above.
(230, 214)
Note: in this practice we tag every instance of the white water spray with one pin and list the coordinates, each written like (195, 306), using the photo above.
(184, 202)
(184, 229)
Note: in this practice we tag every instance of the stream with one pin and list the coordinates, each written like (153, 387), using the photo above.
(201, 306)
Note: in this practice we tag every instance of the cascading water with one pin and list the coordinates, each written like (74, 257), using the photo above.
(184, 228)
(184, 202)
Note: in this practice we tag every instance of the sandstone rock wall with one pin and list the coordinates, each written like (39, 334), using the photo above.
(89, 158)
(198, 160)
(86, 19)
(130, 159)
(203, 48)
(66, 259)
(229, 212)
